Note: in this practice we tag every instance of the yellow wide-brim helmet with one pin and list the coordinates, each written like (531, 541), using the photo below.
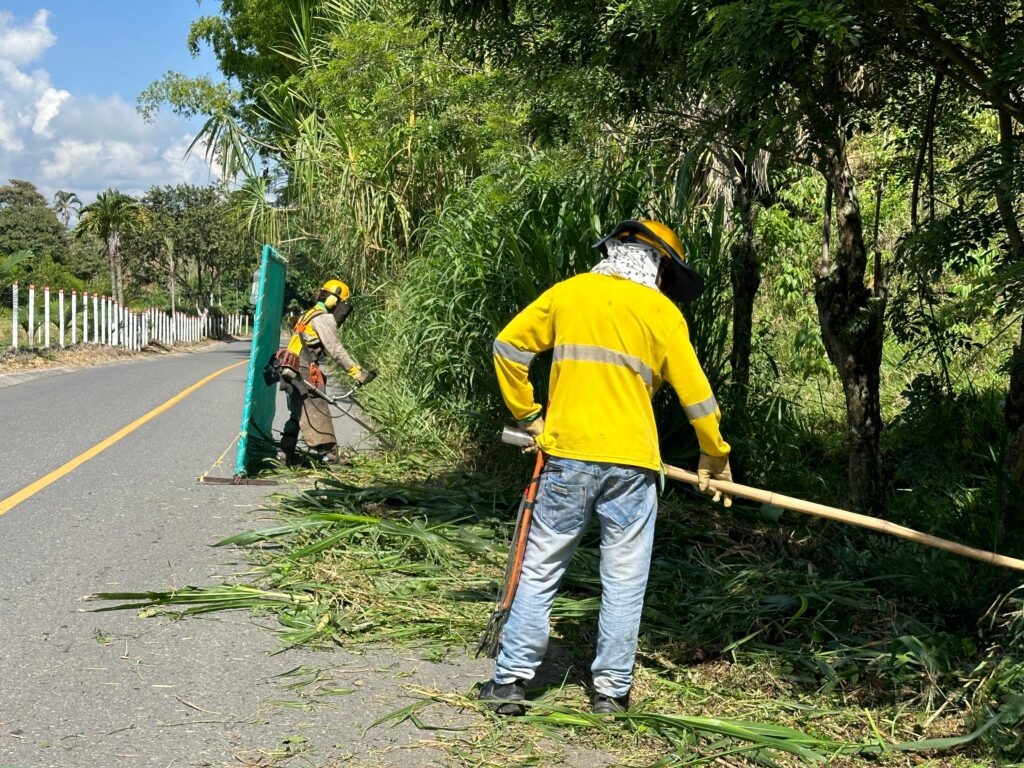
(680, 282)
(336, 288)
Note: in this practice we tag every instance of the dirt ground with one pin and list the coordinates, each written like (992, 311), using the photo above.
(81, 355)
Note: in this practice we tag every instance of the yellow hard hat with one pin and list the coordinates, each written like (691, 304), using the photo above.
(337, 291)
(681, 282)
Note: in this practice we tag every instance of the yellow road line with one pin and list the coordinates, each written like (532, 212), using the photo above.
(31, 490)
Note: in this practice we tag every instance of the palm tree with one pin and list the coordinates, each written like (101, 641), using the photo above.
(113, 214)
(66, 205)
(169, 250)
(8, 263)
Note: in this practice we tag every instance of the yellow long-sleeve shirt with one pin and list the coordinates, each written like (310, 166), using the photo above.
(614, 342)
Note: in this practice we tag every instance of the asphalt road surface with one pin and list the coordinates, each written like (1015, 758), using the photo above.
(79, 688)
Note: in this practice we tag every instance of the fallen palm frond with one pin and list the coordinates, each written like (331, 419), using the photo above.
(693, 740)
(203, 599)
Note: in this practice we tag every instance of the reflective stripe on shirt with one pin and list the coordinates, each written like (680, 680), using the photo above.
(701, 409)
(515, 354)
(592, 354)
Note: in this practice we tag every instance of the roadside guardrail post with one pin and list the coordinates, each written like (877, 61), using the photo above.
(14, 316)
(46, 317)
(31, 315)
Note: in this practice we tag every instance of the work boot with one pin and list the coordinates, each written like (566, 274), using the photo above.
(505, 697)
(287, 444)
(609, 705)
(328, 457)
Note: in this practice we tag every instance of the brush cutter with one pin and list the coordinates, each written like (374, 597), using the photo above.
(283, 366)
(491, 641)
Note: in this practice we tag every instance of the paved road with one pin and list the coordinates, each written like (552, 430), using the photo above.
(87, 689)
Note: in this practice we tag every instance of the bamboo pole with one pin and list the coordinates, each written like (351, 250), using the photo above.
(850, 518)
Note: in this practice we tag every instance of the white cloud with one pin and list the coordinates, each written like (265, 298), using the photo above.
(47, 108)
(69, 155)
(27, 43)
(80, 142)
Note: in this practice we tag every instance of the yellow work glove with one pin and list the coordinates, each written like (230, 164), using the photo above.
(536, 429)
(714, 468)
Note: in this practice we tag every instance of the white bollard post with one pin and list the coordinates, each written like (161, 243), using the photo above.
(74, 321)
(102, 338)
(31, 315)
(85, 317)
(144, 341)
(14, 316)
(46, 317)
(60, 309)
(95, 318)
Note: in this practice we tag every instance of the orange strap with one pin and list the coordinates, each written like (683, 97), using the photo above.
(316, 376)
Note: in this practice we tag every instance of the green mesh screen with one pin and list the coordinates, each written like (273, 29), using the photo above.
(256, 440)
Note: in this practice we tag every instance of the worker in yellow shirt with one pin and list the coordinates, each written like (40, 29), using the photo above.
(315, 334)
(616, 335)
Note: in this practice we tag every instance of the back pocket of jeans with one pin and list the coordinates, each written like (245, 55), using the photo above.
(560, 505)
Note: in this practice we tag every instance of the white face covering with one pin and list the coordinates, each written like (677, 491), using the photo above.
(638, 262)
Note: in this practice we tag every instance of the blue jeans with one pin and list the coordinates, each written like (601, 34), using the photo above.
(626, 502)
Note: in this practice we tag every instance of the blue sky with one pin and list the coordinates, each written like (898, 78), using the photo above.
(70, 71)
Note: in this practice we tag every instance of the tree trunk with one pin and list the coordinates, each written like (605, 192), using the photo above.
(745, 274)
(117, 290)
(112, 258)
(170, 284)
(1013, 410)
(851, 321)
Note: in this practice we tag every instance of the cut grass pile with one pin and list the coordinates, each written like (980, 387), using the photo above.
(763, 641)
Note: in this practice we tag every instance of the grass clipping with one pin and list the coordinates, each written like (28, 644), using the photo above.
(771, 661)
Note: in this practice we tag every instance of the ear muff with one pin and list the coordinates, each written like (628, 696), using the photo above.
(331, 301)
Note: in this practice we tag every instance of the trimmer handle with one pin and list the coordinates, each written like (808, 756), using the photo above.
(516, 436)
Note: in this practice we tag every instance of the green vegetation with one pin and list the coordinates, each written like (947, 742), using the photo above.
(175, 246)
(848, 177)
